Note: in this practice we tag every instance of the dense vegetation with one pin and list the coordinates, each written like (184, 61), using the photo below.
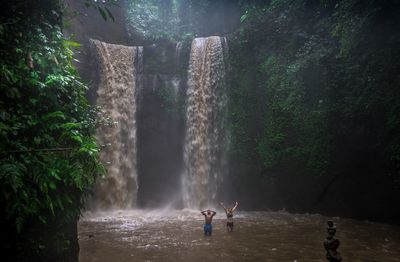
(178, 20)
(314, 105)
(48, 156)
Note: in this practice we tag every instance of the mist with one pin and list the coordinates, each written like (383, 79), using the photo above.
(165, 130)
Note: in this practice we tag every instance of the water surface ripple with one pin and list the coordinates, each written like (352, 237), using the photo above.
(177, 235)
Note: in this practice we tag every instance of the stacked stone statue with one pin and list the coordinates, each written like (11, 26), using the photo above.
(331, 244)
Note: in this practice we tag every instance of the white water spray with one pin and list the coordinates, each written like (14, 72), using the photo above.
(205, 135)
(120, 76)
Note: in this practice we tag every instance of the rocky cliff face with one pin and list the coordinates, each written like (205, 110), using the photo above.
(160, 112)
(84, 23)
(161, 125)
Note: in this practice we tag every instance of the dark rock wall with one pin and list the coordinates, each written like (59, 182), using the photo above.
(160, 113)
(161, 126)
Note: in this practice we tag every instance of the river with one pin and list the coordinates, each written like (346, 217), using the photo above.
(177, 235)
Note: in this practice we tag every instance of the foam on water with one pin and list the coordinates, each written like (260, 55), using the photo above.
(177, 235)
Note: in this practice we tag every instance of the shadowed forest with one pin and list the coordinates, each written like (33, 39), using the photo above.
(304, 115)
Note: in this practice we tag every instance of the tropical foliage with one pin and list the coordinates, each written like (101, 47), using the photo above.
(49, 157)
(175, 20)
(315, 92)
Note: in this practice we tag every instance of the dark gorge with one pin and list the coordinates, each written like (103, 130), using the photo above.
(127, 118)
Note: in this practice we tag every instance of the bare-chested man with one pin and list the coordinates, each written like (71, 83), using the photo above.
(229, 216)
(208, 215)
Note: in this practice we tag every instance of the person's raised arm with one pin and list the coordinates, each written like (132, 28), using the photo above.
(213, 213)
(233, 209)
(203, 212)
(222, 204)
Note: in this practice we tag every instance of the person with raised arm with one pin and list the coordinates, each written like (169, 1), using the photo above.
(229, 216)
(208, 215)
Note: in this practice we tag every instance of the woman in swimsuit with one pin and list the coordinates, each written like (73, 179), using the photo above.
(229, 216)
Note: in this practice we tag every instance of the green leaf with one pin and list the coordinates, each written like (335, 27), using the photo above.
(52, 185)
(51, 208)
(71, 125)
(77, 138)
(103, 13)
(33, 101)
(4, 126)
(244, 17)
(42, 219)
(56, 114)
(69, 43)
(54, 174)
(110, 15)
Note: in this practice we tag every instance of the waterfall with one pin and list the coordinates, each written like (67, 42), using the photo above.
(178, 51)
(205, 109)
(120, 69)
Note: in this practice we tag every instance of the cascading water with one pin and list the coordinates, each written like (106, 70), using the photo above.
(178, 51)
(205, 135)
(120, 69)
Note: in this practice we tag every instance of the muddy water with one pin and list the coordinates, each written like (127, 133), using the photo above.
(166, 235)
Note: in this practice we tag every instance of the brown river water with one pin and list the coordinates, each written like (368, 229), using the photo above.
(177, 235)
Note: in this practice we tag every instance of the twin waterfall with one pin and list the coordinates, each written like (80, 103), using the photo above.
(205, 104)
(120, 71)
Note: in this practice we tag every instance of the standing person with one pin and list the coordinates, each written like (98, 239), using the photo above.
(208, 215)
(229, 216)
